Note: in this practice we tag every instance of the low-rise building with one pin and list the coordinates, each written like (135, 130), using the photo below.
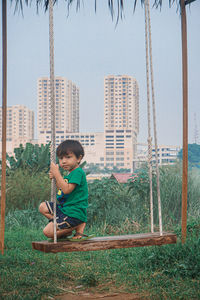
(167, 154)
(93, 143)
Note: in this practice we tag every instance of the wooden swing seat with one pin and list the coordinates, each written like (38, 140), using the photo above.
(107, 242)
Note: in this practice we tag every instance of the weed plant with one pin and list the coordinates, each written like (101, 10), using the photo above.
(170, 191)
(110, 202)
(27, 218)
(25, 190)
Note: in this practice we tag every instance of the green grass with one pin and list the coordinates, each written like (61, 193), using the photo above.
(166, 272)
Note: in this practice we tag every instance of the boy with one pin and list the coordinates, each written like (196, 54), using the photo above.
(72, 195)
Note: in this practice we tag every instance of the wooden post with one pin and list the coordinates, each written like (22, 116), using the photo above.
(4, 113)
(185, 120)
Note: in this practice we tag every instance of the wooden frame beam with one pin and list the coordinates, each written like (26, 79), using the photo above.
(4, 115)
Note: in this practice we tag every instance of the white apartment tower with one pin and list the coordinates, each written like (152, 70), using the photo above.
(121, 120)
(20, 126)
(66, 107)
(121, 103)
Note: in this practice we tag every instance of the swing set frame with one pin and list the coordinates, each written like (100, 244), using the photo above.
(107, 242)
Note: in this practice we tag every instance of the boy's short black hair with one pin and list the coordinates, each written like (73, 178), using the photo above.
(70, 146)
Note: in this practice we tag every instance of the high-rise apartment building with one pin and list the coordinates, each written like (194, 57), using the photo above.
(66, 107)
(121, 120)
(20, 126)
(121, 103)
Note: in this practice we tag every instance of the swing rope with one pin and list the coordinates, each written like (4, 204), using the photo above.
(148, 44)
(149, 41)
(52, 109)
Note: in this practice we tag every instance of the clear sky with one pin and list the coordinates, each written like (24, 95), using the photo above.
(88, 47)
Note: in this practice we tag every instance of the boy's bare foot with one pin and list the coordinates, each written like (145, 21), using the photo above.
(79, 231)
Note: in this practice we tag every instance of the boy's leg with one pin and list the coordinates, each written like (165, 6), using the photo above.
(43, 209)
(49, 231)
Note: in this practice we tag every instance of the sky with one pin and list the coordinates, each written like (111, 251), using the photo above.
(89, 46)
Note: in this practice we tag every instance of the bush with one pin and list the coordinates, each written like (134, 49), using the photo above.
(170, 192)
(25, 190)
(113, 203)
(27, 218)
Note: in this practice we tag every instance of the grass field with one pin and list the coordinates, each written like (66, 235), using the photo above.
(162, 272)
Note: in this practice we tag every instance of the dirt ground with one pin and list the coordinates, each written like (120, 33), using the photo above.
(89, 296)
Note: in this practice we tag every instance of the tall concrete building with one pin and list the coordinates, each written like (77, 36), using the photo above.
(66, 107)
(20, 126)
(121, 120)
(121, 103)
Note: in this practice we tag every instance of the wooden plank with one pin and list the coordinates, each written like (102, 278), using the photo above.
(107, 242)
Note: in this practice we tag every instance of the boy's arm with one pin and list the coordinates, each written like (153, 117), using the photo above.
(66, 187)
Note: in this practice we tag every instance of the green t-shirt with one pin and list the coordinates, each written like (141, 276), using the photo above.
(75, 204)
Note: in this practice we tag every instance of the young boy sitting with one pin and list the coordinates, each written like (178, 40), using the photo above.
(72, 195)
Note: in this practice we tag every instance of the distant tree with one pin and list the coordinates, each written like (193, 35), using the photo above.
(193, 155)
(92, 168)
(95, 169)
(120, 170)
(118, 4)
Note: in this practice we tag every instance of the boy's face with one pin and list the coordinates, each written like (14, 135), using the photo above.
(69, 162)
